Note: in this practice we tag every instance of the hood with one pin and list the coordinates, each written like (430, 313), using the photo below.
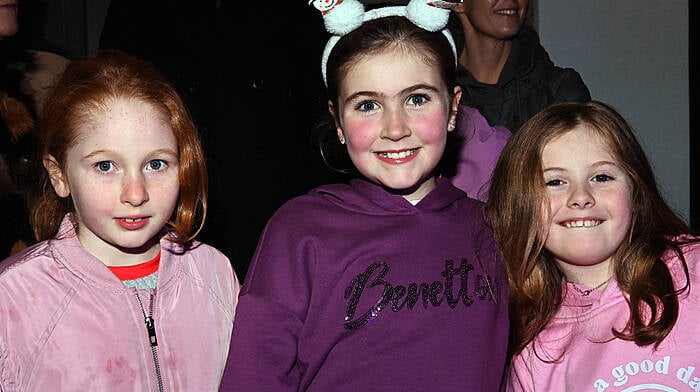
(363, 196)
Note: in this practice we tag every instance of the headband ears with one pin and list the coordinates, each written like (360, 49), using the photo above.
(340, 17)
(343, 16)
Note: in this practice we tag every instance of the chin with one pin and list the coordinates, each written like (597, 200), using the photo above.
(585, 258)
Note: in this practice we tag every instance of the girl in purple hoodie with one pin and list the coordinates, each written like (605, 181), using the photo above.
(392, 281)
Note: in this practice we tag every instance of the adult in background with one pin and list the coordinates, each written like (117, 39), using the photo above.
(503, 69)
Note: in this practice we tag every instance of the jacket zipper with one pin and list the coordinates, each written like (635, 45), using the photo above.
(151, 329)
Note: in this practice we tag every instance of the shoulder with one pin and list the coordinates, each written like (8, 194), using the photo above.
(691, 253)
(296, 214)
(203, 263)
(318, 204)
(35, 276)
(195, 253)
(568, 86)
(565, 83)
(32, 258)
(301, 217)
(691, 256)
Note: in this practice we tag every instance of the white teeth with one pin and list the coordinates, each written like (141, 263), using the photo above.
(507, 12)
(582, 223)
(397, 155)
(131, 220)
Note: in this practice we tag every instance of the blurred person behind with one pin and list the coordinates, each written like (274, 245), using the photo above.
(503, 69)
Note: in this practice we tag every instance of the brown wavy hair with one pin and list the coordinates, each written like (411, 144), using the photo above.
(517, 198)
(85, 88)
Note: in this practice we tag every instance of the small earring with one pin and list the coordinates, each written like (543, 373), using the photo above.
(451, 126)
(342, 140)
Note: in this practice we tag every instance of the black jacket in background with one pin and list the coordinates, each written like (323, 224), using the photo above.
(528, 83)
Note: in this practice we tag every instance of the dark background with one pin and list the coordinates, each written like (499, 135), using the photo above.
(251, 77)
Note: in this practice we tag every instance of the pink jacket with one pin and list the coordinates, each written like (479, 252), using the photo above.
(68, 324)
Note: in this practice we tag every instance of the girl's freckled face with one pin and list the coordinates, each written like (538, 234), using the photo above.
(123, 177)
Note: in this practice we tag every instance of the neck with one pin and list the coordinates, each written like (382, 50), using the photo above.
(484, 56)
(587, 276)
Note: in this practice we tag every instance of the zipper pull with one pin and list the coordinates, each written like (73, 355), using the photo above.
(151, 327)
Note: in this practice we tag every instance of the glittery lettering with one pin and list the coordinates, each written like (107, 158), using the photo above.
(398, 297)
(354, 292)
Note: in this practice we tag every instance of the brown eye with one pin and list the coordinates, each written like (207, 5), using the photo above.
(554, 182)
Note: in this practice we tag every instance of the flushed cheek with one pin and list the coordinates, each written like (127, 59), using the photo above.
(431, 127)
(360, 135)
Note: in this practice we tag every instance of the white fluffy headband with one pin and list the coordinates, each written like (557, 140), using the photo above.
(343, 16)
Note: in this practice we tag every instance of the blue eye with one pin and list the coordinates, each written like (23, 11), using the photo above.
(157, 164)
(104, 166)
(367, 106)
(417, 100)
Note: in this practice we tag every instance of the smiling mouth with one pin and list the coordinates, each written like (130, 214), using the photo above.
(507, 12)
(397, 155)
(582, 223)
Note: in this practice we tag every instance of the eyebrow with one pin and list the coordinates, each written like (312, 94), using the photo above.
(420, 86)
(154, 152)
(594, 165)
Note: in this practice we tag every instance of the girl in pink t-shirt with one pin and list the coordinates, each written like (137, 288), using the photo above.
(602, 271)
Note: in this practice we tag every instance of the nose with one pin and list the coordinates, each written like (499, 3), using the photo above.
(581, 197)
(396, 125)
(134, 190)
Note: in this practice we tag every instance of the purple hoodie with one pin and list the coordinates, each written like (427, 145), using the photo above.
(353, 288)
(480, 147)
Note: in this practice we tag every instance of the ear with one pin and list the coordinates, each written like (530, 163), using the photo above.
(454, 107)
(338, 128)
(58, 179)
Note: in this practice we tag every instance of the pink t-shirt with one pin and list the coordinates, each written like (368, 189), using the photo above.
(596, 361)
